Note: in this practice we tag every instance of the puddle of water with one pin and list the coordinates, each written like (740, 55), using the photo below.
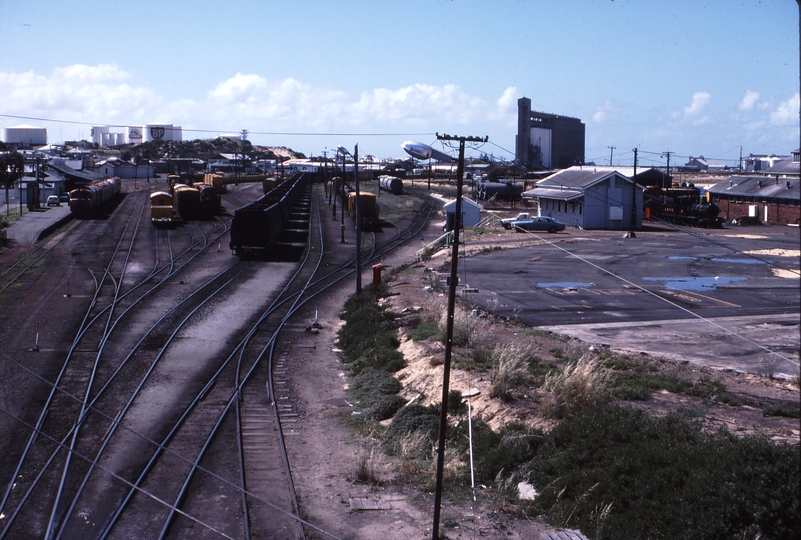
(738, 261)
(715, 259)
(563, 285)
(695, 283)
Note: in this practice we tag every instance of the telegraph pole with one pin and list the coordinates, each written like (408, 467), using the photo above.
(667, 174)
(443, 417)
(634, 196)
(611, 153)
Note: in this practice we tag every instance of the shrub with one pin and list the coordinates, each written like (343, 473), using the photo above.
(455, 403)
(511, 370)
(504, 451)
(386, 406)
(463, 329)
(788, 410)
(665, 475)
(369, 336)
(579, 387)
(413, 419)
(425, 331)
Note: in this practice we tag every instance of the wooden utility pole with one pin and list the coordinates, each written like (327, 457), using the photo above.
(667, 169)
(443, 416)
(634, 196)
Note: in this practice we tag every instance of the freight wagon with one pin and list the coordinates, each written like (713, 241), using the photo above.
(257, 227)
(85, 200)
(161, 208)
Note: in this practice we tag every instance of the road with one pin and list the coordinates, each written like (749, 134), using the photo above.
(727, 298)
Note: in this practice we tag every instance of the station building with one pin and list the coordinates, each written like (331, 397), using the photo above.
(590, 198)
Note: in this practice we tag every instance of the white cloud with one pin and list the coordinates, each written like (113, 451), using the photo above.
(77, 92)
(749, 101)
(696, 107)
(610, 110)
(787, 112)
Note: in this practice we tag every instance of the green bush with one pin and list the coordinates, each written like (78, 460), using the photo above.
(371, 383)
(501, 452)
(369, 336)
(411, 419)
(385, 407)
(788, 410)
(425, 331)
(662, 477)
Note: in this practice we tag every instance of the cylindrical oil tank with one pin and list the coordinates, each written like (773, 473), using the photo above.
(161, 132)
(134, 135)
(97, 133)
(500, 190)
(391, 183)
(24, 134)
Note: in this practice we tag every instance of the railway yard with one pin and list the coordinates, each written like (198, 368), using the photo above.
(154, 385)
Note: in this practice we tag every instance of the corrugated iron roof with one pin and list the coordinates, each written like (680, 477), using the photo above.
(557, 194)
(759, 186)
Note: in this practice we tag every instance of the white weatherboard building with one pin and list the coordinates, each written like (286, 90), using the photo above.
(23, 134)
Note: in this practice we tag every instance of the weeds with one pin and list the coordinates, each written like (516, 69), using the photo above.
(510, 371)
(365, 471)
(579, 387)
(783, 409)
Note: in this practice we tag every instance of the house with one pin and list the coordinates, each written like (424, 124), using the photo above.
(590, 198)
(768, 199)
(471, 213)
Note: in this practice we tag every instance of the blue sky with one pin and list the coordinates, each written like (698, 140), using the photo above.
(687, 76)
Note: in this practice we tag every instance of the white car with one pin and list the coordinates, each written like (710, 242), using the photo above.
(52, 200)
(507, 223)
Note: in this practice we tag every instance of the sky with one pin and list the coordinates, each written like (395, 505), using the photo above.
(691, 77)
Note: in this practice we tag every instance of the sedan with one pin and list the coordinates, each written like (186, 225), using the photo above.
(538, 223)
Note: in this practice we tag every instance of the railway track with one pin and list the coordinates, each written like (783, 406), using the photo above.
(172, 439)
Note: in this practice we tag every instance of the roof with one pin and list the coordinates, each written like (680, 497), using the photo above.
(580, 177)
(759, 186)
(465, 201)
(784, 166)
(557, 194)
(69, 172)
(628, 172)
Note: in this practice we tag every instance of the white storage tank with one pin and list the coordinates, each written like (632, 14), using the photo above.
(23, 134)
(161, 132)
(99, 134)
(134, 135)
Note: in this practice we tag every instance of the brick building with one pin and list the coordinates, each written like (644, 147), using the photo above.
(775, 200)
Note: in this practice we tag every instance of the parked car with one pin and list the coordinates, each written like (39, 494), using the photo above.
(52, 200)
(507, 223)
(64, 197)
(538, 223)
